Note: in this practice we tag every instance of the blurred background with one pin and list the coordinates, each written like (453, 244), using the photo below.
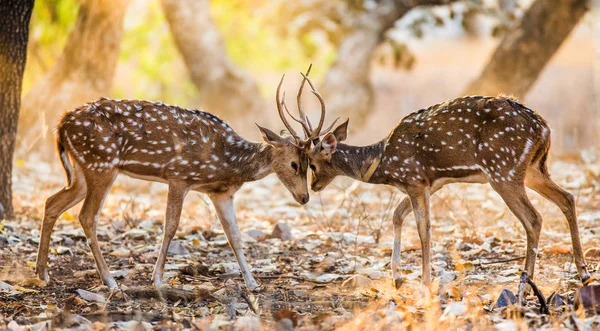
(373, 61)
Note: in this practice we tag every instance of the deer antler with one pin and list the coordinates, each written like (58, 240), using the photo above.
(316, 133)
(310, 134)
(281, 103)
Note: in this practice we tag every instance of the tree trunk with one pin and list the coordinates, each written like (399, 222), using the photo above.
(347, 87)
(14, 34)
(524, 51)
(83, 72)
(223, 87)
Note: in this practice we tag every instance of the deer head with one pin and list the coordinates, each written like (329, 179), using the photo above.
(323, 171)
(290, 152)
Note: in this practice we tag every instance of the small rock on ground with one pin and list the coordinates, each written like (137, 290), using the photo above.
(282, 231)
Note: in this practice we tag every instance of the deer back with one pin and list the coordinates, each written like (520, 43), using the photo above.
(153, 140)
(494, 135)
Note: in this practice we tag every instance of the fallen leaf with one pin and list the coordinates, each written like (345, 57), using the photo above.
(67, 216)
(91, 296)
(5, 286)
(33, 282)
(558, 250)
(464, 266)
(357, 281)
(62, 249)
(455, 308)
(120, 252)
(85, 273)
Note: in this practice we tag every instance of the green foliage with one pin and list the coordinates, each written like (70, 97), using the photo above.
(150, 66)
(51, 22)
(254, 36)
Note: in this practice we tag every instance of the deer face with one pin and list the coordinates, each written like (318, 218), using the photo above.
(289, 162)
(320, 157)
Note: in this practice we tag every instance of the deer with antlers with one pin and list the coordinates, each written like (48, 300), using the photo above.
(475, 139)
(186, 149)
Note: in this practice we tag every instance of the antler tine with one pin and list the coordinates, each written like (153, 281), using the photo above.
(329, 128)
(281, 114)
(317, 131)
(299, 101)
(322, 119)
(304, 126)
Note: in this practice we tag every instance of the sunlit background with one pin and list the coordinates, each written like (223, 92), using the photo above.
(428, 56)
(372, 63)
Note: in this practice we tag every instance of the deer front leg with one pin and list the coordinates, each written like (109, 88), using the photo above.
(226, 211)
(400, 213)
(419, 198)
(177, 193)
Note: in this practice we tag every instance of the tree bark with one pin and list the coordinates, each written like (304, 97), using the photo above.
(14, 34)
(82, 73)
(223, 87)
(347, 87)
(522, 54)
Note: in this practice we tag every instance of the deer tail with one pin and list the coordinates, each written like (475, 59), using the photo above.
(64, 159)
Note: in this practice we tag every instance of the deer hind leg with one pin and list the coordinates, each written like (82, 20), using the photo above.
(225, 209)
(419, 198)
(98, 186)
(539, 181)
(515, 197)
(57, 204)
(403, 210)
(177, 193)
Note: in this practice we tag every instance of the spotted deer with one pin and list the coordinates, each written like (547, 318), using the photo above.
(474, 139)
(186, 149)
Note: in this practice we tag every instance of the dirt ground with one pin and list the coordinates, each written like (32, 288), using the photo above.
(334, 273)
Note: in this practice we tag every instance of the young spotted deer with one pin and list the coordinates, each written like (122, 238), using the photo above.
(186, 149)
(476, 139)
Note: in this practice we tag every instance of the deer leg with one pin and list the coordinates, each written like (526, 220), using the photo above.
(98, 185)
(57, 204)
(517, 201)
(400, 213)
(225, 209)
(403, 210)
(419, 199)
(541, 183)
(177, 193)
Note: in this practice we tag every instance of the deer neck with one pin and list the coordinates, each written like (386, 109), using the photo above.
(251, 160)
(359, 162)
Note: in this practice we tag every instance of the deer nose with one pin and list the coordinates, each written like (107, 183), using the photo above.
(304, 199)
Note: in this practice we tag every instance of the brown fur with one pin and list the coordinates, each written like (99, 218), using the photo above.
(493, 140)
(186, 149)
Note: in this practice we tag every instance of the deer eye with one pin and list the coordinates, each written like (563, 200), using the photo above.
(294, 165)
(313, 168)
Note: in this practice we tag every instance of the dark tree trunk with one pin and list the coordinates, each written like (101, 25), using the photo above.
(347, 87)
(14, 34)
(223, 87)
(524, 51)
(83, 72)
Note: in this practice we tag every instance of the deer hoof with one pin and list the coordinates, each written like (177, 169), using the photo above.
(398, 282)
(255, 288)
(43, 275)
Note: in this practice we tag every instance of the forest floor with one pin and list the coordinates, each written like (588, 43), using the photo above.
(334, 273)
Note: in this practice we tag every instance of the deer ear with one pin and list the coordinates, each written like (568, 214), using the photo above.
(270, 137)
(328, 145)
(341, 131)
